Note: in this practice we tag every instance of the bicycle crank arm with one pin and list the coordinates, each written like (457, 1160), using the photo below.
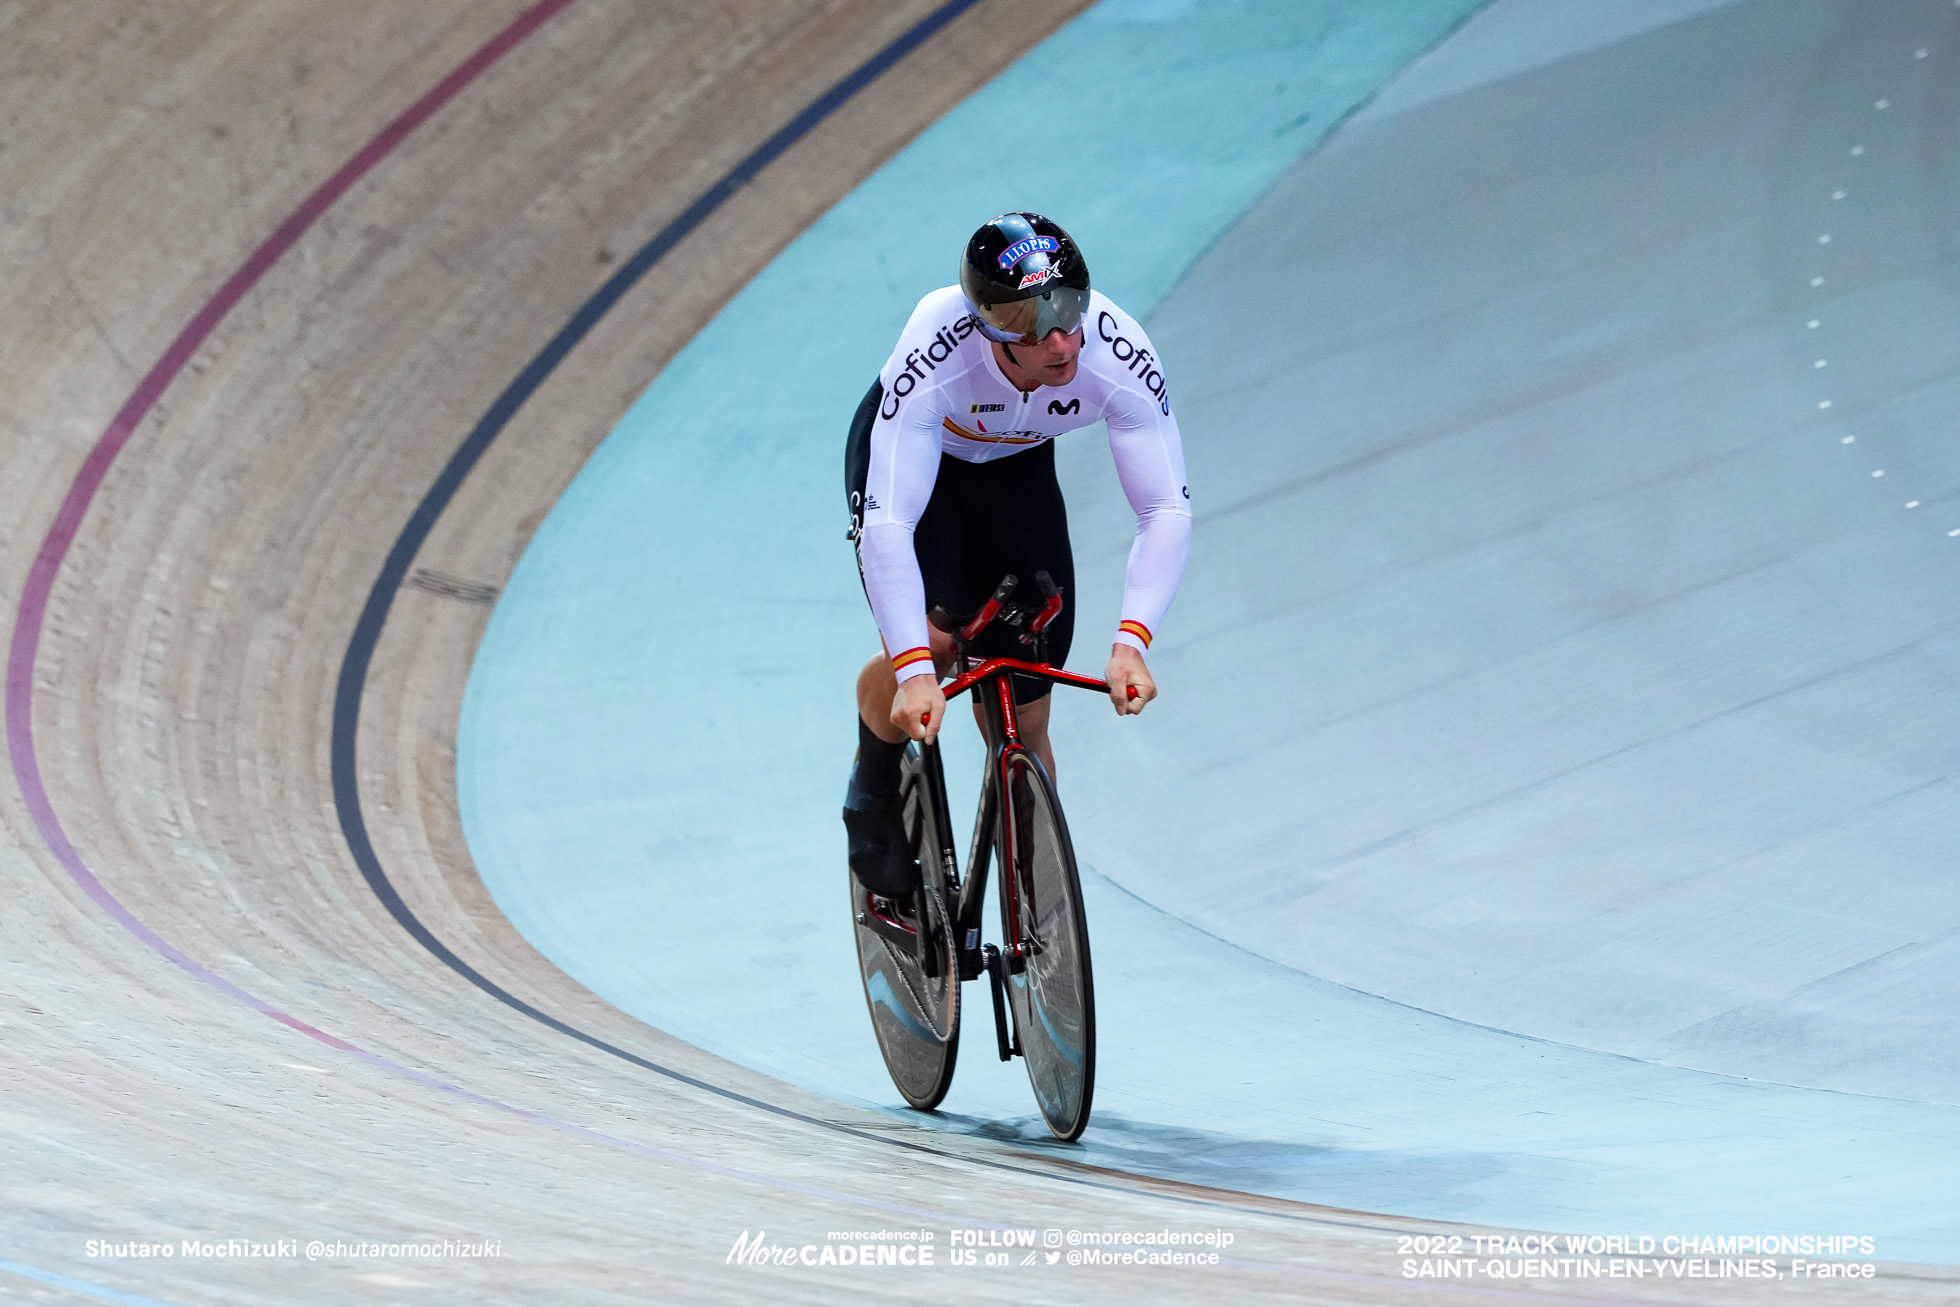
(1008, 1047)
(913, 943)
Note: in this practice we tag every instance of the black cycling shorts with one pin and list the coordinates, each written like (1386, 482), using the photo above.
(985, 520)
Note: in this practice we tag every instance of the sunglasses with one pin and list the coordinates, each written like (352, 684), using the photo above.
(1028, 321)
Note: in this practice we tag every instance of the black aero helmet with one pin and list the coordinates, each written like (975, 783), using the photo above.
(1024, 278)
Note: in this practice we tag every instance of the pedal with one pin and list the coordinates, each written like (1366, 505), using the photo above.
(899, 934)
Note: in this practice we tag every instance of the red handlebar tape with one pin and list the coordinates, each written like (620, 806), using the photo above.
(1049, 612)
(980, 619)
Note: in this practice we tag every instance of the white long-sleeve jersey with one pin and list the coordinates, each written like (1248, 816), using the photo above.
(944, 394)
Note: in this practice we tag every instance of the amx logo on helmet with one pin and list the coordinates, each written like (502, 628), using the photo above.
(1020, 249)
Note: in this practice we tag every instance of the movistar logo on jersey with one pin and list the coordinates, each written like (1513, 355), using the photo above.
(1020, 249)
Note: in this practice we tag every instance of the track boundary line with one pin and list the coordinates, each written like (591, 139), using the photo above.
(87, 1288)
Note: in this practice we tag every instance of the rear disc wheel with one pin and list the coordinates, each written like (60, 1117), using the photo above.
(914, 1003)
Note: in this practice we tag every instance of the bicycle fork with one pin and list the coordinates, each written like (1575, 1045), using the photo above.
(996, 825)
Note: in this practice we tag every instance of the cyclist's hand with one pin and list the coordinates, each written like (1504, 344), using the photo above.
(1130, 686)
(919, 709)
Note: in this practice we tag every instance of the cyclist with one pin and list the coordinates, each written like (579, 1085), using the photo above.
(950, 470)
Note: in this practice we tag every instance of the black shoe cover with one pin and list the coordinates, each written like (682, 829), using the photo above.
(880, 857)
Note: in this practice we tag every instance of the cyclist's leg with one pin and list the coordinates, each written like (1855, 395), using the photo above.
(877, 686)
(1033, 718)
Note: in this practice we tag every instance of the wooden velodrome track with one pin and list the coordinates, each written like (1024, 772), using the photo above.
(213, 1028)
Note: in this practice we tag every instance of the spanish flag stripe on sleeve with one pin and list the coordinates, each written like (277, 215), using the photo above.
(910, 656)
(1138, 629)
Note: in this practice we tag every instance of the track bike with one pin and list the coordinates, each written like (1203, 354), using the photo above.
(914, 961)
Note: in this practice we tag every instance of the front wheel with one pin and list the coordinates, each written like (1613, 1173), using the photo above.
(911, 969)
(1052, 990)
